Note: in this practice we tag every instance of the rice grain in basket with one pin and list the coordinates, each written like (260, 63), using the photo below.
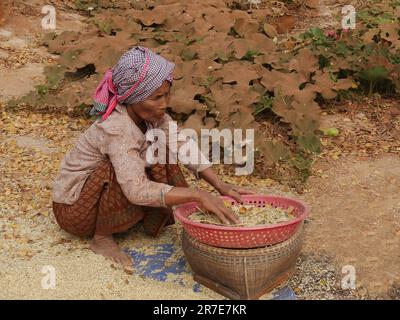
(249, 215)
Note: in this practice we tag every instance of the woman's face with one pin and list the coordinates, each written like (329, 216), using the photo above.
(153, 108)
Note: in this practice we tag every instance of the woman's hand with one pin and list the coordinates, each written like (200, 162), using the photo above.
(232, 191)
(217, 206)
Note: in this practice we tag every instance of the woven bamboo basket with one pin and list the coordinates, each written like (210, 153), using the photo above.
(242, 274)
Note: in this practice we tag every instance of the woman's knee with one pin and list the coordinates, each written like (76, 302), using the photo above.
(81, 228)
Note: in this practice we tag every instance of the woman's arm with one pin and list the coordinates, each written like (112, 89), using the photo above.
(207, 201)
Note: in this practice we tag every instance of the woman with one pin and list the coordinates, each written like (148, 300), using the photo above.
(105, 186)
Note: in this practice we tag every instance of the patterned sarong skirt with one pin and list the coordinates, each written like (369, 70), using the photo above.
(103, 209)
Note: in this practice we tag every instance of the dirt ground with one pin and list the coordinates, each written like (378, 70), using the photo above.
(356, 208)
(353, 193)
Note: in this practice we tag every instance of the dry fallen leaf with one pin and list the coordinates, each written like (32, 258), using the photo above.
(270, 30)
(312, 4)
(285, 23)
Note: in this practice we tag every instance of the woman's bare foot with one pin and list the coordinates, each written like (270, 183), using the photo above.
(107, 247)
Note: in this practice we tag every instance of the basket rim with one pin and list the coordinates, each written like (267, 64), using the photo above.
(298, 236)
(299, 218)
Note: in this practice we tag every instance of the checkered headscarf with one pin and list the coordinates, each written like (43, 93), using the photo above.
(135, 77)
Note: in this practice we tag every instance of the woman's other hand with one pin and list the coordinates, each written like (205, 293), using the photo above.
(217, 206)
(232, 191)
